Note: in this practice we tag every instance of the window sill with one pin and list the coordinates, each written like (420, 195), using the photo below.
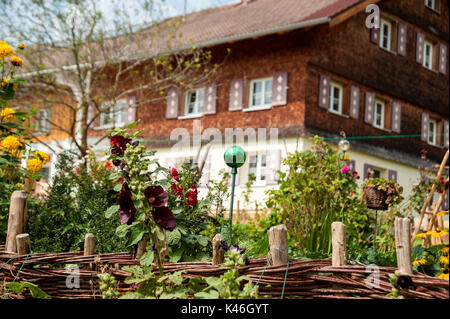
(263, 108)
(108, 127)
(386, 50)
(190, 116)
(431, 70)
(382, 129)
(339, 114)
(433, 10)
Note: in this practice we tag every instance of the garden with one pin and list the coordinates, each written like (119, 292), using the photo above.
(129, 228)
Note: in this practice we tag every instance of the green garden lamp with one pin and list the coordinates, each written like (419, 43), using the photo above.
(234, 157)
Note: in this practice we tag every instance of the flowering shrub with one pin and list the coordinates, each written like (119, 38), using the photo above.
(393, 190)
(14, 136)
(319, 189)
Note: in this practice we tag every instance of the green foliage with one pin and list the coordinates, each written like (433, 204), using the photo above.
(76, 205)
(315, 192)
(218, 193)
(430, 260)
(230, 284)
(19, 287)
(108, 286)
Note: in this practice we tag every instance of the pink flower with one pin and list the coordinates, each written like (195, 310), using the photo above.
(345, 169)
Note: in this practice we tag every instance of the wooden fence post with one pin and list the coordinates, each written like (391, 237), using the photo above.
(338, 244)
(278, 245)
(403, 244)
(218, 255)
(23, 244)
(89, 247)
(16, 220)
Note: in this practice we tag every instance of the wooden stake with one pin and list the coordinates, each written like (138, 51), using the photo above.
(278, 244)
(23, 244)
(403, 244)
(89, 247)
(218, 254)
(16, 220)
(338, 244)
(142, 247)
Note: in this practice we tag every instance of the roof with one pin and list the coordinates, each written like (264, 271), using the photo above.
(232, 22)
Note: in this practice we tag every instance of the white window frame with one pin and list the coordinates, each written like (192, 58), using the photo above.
(118, 115)
(43, 126)
(260, 171)
(433, 5)
(384, 23)
(432, 133)
(199, 104)
(425, 45)
(334, 85)
(383, 110)
(263, 105)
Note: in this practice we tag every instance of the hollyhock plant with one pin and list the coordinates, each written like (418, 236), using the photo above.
(175, 174)
(142, 204)
(176, 189)
(191, 196)
(345, 169)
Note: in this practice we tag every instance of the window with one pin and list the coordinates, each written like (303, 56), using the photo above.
(43, 121)
(385, 39)
(376, 173)
(335, 98)
(379, 114)
(194, 102)
(432, 132)
(257, 166)
(432, 4)
(428, 55)
(114, 115)
(260, 93)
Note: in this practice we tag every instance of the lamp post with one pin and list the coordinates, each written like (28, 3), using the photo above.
(234, 157)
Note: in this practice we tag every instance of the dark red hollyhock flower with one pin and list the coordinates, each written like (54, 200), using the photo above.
(446, 185)
(355, 175)
(126, 209)
(117, 162)
(119, 144)
(156, 196)
(191, 196)
(163, 216)
(175, 174)
(176, 189)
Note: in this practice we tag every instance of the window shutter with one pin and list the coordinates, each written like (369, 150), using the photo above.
(419, 47)
(236, 94)
(210, 98)
(91, 115)
(324, 91)
(442, 58)
(375, 35)
(352, 165)
(130, 114)
(367, 169)
(425, 126)
(396, 117)
(172, 104)
(401, 42)
(279, 89)
(444, 205)
(273, 165)
(205, 172)
(354, 102)
(392, 175)
(370, 108)
(445, 139)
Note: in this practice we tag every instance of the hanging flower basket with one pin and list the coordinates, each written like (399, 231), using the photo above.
(375, 198)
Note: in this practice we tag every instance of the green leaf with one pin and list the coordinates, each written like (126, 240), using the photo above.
(176, 255)
(160, 234)
(18, 287)
(112, 210)
(147, 258)
(136, 236)
(212, 294)
(118, 187)
(203, 240)
(173, 237)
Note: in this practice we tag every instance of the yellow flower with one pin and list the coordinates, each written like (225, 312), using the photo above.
(11, 143)
(5, 50)
(346, 158)
(5, 81)
(444, 260)
(8, 114)
(22, 46)
(422, 235)
(19, 185)
(445, 250)
(16, 61)
(34, 165)
(418, 262)
(441, 213)
(443, 276)
(437, 233)
(42, 157)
